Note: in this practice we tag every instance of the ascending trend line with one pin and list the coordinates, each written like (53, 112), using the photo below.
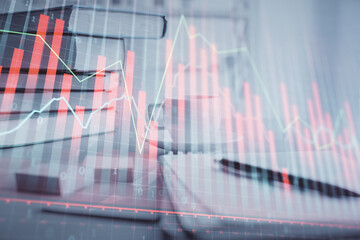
(182, 22)
(62, 61)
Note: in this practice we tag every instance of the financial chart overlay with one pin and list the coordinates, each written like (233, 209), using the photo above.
(188, 119)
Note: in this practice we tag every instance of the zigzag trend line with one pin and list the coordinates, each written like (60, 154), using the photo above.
(339, 117)
(182, 22)
(62, 61)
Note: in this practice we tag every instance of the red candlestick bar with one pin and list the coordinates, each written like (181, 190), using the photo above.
(181, 103)
(248, 113)
(312, 120)
(310, 154)
(75, 146)
(215, 72)
(65, 93)
(192, 52)
(169, 70)
(129, 73)
(153, 136)
(228, 119)
(318, 107)
(63, 107)
(37, 52)
(126, 109)
(334, 147)
(168, 81)
(77, 128)
(349, 118)
(141, 115)
(110, 118)
(239, 133)
(272, 149)
(260, 126)
(12, 79)
(205, 108)
(99, 81)
(298, 129)
(230, 146)
(204, 73)
(319, 113)
(53, 59)
(153, 140)
(114, 80)
(193, 86)
(350, 155)
(332, 137)
(286, 108)
(345, 162)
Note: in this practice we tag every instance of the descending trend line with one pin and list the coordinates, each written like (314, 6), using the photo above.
(182, 22)
(60, 59)
(286, 129)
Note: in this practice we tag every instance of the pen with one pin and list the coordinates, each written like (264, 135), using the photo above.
(300, 182)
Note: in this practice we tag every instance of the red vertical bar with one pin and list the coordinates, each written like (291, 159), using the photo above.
(98, 86)
(193, 85)
(37, 52)
(65, 93)
(141, 114)
(63, 107)
(310, 155)
(348, 142)
(344, 161)
(126, 110)
(286, 108)
(215, 72)
(12, 80)
(214, 81)
(114, 79)
(153, 140)
(129, 73)
(332, 139)
(239, 133)
(317, 103)
(248, 113)
(153, 168)
(351, 160)
(312, 120)
(140, 126)
(53, 59)
(204, 73)
(181, 103)
(272, 149)
(209, 122)
(169, 70)
(75, 147)
(298, 129)
(319, 113)
(192, 52)
(78, 122)
(110, 117)
(99, 80)
(259, 124)
(228, 122)
(350, 118)
(168, 80)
